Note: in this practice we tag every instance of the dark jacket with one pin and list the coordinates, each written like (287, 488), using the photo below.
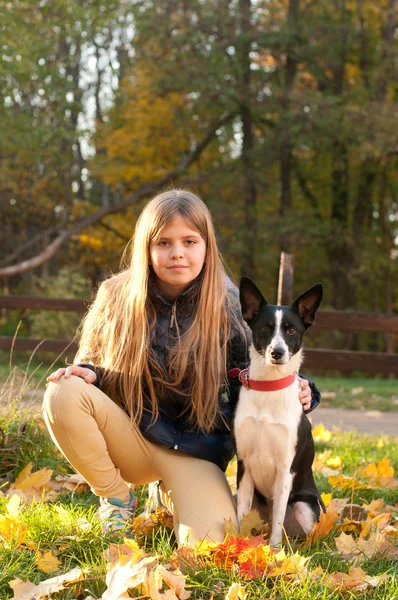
(172, 428)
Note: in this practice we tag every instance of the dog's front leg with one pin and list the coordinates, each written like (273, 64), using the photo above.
(245, 494)
(282, 487)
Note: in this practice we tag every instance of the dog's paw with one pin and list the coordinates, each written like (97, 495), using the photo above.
(275, 542)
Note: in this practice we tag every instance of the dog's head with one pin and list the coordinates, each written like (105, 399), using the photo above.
(278, 330)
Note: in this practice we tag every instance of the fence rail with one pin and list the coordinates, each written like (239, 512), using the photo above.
(317, 358)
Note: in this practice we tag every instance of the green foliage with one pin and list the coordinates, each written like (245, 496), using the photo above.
(68, 283)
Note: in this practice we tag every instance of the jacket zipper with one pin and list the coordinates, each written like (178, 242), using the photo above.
(173, 315)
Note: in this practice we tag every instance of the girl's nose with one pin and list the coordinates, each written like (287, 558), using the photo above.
(176, 252)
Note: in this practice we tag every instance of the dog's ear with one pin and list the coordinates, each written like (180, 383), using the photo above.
(251, 299)
(308, 303)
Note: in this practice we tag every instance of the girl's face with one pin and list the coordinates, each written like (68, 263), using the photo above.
(177, 257)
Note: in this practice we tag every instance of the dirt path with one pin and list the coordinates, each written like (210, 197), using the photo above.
(372, 421)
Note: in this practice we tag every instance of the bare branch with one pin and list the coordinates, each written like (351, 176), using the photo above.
(50, 231)
(145, 190)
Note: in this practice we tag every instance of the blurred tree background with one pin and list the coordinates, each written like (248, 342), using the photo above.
(280, 114)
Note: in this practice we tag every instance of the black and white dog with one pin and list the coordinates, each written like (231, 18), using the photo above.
(273, 437)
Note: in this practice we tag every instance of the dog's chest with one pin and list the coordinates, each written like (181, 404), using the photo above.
(266, 425)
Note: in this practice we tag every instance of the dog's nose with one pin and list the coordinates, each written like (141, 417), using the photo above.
(277, 353)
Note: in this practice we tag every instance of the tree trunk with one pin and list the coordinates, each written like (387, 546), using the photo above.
(248, 170)
(285, 150)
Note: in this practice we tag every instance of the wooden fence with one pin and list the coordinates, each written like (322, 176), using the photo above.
(317, 358)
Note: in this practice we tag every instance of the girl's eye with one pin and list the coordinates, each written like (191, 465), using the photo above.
(291, 331)
(162, 243)
(190, 242)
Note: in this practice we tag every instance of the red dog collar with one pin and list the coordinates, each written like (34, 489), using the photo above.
(261, 385)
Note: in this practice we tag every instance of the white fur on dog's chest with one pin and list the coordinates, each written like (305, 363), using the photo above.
(266, 425)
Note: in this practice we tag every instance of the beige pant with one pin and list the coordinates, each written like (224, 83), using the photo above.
(100, 442)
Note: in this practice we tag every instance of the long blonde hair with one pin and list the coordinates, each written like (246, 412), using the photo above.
(116, 332)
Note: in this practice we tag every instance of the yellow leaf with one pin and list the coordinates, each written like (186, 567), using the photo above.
(236, 592)
(230, 528)
(361, 549)
(324, 525)
(317, 574)
(342, 482)
(10, 529)
(132, 574)
(251, 521)
(334, 462)
(176, 581)
(123, 553)
(133, 545)
(36, 480)
(375, 507)
(143, 525)
(13, 505)
(47, 562)
(291, 565)
(326, 498)
(320, 434)
(230, 474)
(25, 590)
(381, 474)
(23, 474)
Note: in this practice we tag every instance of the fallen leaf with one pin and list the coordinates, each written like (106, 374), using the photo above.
(176, 581)
(25, 590)
(26, 471)
(360, 549)
(338, 504)
(231, 475)
(251, 523)
(33, 480)
(118, 553)
(324, 525)
(326, 498)
(13, 506)
(375, 507)
(255, 560)
(69, 482)
(236, 592)
(334, 462)
(342, 482)
(354, 512)
(10, 526)
(153, 586)
(356, 580)
(381, 475)
(321, 434)
(47, 562)
(317, 574)
(291, 565)
(143, 525)
(130, 575)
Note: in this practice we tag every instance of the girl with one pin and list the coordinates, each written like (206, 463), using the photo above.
(149, 397)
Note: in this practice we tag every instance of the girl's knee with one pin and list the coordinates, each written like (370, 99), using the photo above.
(63, 395)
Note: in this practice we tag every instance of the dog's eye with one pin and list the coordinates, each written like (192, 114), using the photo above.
(291, 331)
(265, 329)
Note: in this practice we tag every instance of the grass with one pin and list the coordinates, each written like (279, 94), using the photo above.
(74, 534)
(359, 393)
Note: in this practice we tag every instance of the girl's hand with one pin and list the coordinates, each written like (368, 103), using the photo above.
(305, 396)
(87, 374)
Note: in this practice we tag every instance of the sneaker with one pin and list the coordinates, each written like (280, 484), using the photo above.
(115, 514)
